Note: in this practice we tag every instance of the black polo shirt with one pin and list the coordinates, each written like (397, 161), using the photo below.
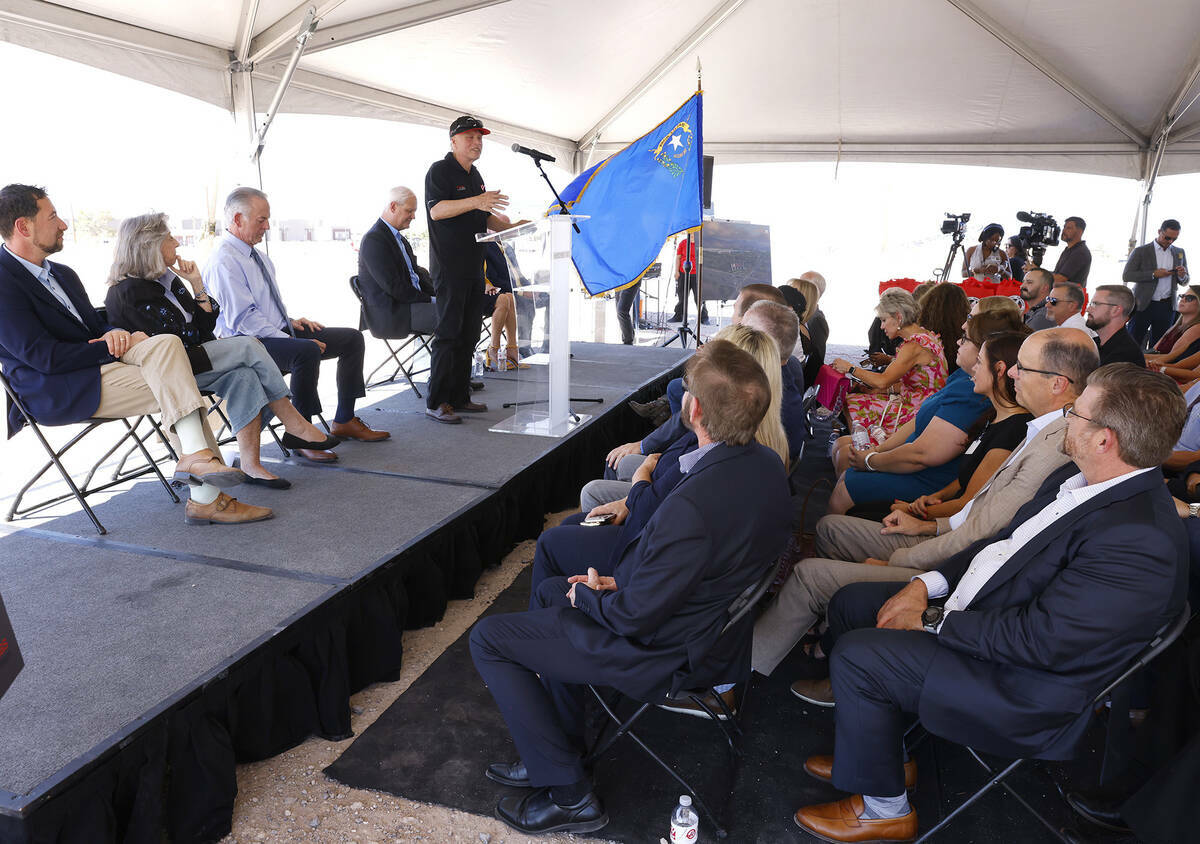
(1121, 348)
(453, 252)
(1075, 262)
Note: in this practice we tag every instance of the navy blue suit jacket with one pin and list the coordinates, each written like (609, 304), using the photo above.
(1060, 619)
(385, 284)
(44, 350)
(714, 534)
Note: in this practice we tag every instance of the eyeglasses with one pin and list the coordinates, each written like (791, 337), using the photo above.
(1024, 368)
(1188, 297)
(1069, 410)
(1096, 304)
(1051, 300)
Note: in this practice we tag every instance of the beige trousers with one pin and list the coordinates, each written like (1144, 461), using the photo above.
(852, 539)
(154, 376)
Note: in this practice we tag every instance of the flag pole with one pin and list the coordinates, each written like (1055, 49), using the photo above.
(700, 233)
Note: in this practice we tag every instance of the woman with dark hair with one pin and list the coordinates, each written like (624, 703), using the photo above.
(1018, 257)
(944, 309)
(1182, 339)
(987, 260)
(1003, 427)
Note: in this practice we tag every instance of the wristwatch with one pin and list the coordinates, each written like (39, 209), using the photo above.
(1194, 510)
(931, 618)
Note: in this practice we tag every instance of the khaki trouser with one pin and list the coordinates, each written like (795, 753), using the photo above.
(154, 376)
(802, 600)
(853, 539)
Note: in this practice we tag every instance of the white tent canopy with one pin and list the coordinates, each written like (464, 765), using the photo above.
(1077, 85)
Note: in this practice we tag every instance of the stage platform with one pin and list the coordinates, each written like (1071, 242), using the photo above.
(160, 655)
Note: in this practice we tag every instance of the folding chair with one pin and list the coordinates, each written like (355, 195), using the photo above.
(725, 719)
(395, 353)
(80, 492)
(1161, 641)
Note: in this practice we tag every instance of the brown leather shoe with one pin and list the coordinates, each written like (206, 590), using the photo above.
(842, 821)
(224, 511)
(316, 456)
(471, 407)
(816, 692)
(821, 767)
(204, 467)
(683, 704)
(356, 429)
(443, 413)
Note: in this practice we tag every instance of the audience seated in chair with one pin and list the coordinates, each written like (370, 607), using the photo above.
(1108, 313)
(395, 288)
(890, 399)
(243, 280)
(69, 366)
(1038, 618)
(713, 535)
(1059, 361)
(816, 327)
(146, 293)
(943, 311)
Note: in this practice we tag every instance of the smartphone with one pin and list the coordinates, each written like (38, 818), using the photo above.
(602, 519)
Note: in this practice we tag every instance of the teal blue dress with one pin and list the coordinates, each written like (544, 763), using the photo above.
(956, 403)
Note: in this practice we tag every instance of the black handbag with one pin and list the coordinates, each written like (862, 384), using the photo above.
(10, 655)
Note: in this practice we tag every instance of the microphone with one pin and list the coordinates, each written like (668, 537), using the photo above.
(532, 153)
(1024, 217)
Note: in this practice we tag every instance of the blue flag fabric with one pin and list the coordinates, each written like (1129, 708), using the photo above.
(636, 199)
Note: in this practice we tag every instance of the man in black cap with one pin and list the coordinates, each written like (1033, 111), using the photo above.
(458, 206)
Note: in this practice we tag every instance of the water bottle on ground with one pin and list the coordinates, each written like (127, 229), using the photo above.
(685, 823)
(860, 437)
(477, 368)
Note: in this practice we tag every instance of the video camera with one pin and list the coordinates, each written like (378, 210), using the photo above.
(1041, 232)
(956, 224)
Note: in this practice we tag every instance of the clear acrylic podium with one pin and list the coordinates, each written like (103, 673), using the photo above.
(539, 261)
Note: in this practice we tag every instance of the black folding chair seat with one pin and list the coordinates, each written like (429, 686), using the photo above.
(1117, 690)
(80, 492)
(696, 689)
(403, 355)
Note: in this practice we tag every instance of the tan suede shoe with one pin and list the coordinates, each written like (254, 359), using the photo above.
(356, 429)
(204, 467)
(843, 821)
(821, 767)
(224, 511)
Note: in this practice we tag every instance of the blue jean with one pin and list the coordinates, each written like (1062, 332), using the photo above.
(244, 375)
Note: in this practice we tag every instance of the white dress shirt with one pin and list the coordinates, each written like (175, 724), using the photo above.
(1074, 492)
(1078, 321)
(1032, 428)
(1166, 261)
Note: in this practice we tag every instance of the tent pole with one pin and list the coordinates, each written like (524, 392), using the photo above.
(306, 31)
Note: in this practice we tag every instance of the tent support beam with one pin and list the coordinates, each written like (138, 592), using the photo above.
(689, 43)
(1049, 71)
(245, 31)
(306, 31)
(340, 34)
(275, 37)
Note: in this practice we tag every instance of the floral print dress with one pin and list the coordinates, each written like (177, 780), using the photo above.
(891, 411)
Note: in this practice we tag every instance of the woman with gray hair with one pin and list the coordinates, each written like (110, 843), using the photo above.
(889, 399)
(146, 293)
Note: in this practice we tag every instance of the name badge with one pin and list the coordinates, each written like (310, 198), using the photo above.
(971, 448)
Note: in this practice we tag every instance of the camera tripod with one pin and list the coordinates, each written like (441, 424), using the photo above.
(955, 245)
(685, 331)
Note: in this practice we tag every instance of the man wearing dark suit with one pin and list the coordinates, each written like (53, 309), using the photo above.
(654, 621)
(68, 365)
(397, 290)
(1155, 270)
(1107, 314)
(1039, 617)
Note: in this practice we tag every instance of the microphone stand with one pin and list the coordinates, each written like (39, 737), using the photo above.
(562, 206)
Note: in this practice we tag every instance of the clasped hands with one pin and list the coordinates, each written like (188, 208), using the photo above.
(592, 580)
(120, 341)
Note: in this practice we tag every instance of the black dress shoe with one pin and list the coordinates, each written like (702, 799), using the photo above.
(514, 774)
(537, 813)
(269, 483)
(477, 385)
(1102, 808)
(293, 441)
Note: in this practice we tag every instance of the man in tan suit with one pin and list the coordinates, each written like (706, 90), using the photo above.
(1051, 371)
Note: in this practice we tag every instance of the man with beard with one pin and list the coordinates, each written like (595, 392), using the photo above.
(1034, 290)
(68, 365)
(1037, 620)
(1107, 313)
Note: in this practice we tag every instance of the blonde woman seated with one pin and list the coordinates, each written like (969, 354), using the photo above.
(890, 399)
(1180, 345)
(499, 304)
(147, 293)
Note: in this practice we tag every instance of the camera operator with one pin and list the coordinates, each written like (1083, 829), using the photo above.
(987, 260)
(1075, 261)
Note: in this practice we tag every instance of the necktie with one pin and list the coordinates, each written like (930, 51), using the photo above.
(412, 274)
(262, 268)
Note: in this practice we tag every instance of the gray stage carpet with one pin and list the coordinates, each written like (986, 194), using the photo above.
(117, 629)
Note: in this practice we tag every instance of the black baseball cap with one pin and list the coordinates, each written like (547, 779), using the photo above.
(465, 124)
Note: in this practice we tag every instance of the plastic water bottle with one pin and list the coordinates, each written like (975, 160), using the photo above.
(477, 368)
(878, 434)
(860, 437)
(685, 823)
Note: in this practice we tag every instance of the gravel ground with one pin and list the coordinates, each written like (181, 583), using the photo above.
(288, 798)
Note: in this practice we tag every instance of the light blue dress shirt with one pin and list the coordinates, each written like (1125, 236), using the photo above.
(1189, 440)
(412, 273)
(687, 462)
(48, 281)
(250, 304)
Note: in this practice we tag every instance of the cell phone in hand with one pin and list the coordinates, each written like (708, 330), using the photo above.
(602, 519)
